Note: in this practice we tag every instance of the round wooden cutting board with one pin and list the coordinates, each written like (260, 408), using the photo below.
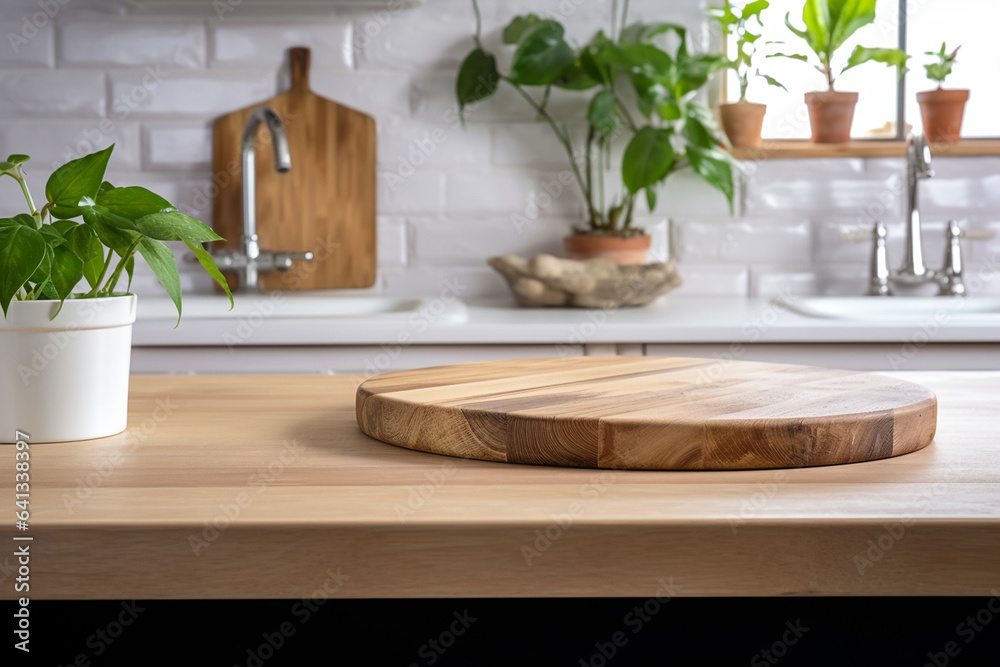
(648, 413)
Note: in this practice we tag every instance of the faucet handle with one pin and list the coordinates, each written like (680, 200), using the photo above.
(951, 281)
(878, 271)
(283, 260)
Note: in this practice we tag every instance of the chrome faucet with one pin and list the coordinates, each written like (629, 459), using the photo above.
(250, 261)
(913, 270)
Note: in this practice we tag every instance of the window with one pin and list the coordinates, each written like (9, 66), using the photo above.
(919, 24)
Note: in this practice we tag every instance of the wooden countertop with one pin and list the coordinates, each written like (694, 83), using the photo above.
(263, 487)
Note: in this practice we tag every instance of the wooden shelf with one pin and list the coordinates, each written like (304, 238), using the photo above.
(784, 149)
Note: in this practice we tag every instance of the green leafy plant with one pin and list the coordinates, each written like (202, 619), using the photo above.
(739, 22)
(828, 25)
(940, 70)
(46, 253)
(636, 90)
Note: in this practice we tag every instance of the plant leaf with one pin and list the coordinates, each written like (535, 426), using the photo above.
(175, 226)
(892, 57)
(602, 113)
(518, 26)
(161, 260)
(651, 199)
(713, 166)
(754, 8)
(772, 81)
(695, 131)
(132, 202)
(644, 32)
(17, 158)
(22, 219)
(67, 271)
(84, 243)
(542, 55)
(22, 249)
(477, 78)
(208, 263)
(648, 158)
(74, 181)
(846, 18)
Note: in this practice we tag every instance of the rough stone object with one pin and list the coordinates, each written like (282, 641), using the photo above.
(545, 280)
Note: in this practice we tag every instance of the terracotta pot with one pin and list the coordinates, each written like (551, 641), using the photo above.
(619, 249)
(742, 122)
(830, 115)
(942, 112)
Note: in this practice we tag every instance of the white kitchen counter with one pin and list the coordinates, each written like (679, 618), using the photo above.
(673, 319)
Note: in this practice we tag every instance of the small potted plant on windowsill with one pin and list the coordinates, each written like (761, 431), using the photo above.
(743, 120)
(637, 94)
(942, 109)
(64, 354)
(827, 27)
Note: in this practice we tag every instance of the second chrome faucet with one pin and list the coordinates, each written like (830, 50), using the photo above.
(914, 270)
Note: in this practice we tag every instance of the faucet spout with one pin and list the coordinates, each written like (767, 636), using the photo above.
(282, 163)
(918, 167)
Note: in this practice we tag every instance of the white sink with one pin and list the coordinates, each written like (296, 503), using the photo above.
(893, 308)
(304, 304)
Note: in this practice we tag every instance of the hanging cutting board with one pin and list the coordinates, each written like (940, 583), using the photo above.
(648, 413)
(324, 205)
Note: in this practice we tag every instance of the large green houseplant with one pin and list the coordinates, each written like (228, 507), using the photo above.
(636, 91)
(827, 27)
(65, 336)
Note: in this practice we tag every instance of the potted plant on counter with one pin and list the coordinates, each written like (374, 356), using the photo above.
(635, 93)
(743, 120)
(942, 109)
(64, 351)
(828, 26)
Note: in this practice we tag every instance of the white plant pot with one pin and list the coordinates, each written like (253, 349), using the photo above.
(65, 378)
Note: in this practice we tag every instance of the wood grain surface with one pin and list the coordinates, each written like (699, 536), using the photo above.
(648, 413)
(264, 487)
(325, 204)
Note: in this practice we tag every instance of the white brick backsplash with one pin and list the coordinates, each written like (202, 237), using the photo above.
(174, 146)
(527, 144)
(23, 43)
(434, 35)
(131, 43)
(379, 94)
(392, 246)
(167, 92)
(266, 44)
(464, 281)
(48, 94)
(715, 279)
(405, 145)
(659, 231)
(421, 192)
(866, 198)
(458, 241)
(52, 143)
(528, 194)
(746, 240)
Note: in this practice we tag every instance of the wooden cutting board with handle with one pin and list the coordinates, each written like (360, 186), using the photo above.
(648, 413)
(325, 204)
